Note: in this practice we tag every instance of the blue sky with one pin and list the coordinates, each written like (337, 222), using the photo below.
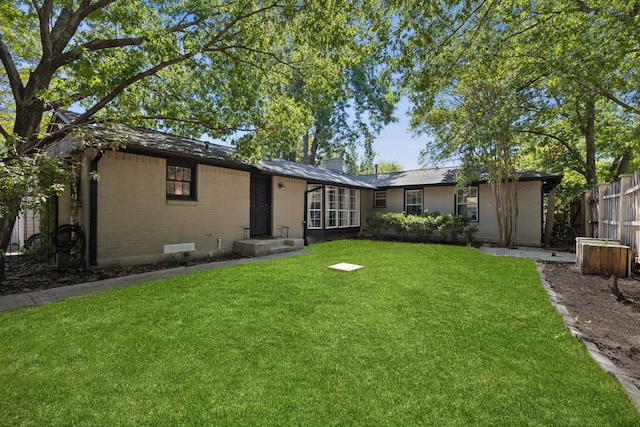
(397, 143)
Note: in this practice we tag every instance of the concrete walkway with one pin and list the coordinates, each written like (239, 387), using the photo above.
(536, 254)
(30, 299)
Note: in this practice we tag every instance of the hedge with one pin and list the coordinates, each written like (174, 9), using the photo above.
(449, 227)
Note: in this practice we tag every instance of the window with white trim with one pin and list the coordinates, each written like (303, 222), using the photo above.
(380, 199)
(413, 202)
(354, 208)
(314, 206)
(467, 203)
(331, 207)
(343, 207)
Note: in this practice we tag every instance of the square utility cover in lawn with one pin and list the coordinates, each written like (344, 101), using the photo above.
(344, 266)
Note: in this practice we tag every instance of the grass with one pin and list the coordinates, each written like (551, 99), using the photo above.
(424, 334)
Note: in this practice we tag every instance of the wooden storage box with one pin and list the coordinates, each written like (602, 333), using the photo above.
(602, 257)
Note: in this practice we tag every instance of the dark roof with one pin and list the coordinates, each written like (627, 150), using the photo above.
(441, 176)
(136, 138)
(146, 141)
(311, 173)
(447, 176)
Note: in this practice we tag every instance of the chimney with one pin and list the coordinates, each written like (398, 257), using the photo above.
(334, 164)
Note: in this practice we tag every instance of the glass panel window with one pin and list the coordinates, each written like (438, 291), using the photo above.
(314, 207)
(339, 207)
(467, 203)
(180, 182)
(331, 207)
(343, 204)
(354, 208)
(380, 199)
(413, 202)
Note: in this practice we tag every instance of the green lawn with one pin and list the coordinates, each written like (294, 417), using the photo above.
(424, 334)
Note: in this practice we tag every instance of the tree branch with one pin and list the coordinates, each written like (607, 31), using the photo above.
(4, 133)
(44, 12)
(102, 44)
(35, 142)
(610, 96)
(12, 72)
(190, 121)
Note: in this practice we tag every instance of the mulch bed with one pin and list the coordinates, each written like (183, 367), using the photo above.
(611, 324)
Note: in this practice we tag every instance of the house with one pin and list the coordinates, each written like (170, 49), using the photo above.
(433, 190)
(163, 195)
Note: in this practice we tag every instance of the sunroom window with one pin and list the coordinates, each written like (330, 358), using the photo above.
(314, 207)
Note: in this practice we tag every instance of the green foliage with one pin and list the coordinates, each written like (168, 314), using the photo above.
(448, 227)
(215, 67)
(33, 177)
(387, 166)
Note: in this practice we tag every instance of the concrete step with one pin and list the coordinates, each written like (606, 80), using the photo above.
(276, 249)
(261, 247)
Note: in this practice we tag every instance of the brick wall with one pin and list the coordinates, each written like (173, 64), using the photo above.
(136, 221)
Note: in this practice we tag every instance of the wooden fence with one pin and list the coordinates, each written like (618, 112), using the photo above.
(612, 212)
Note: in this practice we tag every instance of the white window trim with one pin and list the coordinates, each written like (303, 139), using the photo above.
(339, 207)
(467, 192)
(331, 206)
(354, 208)
(314, 197)
(421, 204)
(376, 199)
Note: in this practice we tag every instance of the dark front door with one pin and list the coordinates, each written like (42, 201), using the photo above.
(260, 207)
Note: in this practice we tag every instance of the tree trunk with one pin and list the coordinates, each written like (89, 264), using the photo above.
(7, 223)
(313, 153)
(506, 207)
(623, 165)
(590, 140)
(305, 148)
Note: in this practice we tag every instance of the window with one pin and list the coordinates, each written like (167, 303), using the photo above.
(343, 205)
(180, 182)
(314, 207)
(380, 199)
(354, 208)
(467, 203)
(413, 202)
(331, 207)
(339, 206)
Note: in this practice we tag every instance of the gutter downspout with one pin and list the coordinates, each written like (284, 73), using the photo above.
(93, 210)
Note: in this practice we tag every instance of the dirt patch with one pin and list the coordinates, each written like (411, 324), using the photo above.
(612, 325)
(25, 276)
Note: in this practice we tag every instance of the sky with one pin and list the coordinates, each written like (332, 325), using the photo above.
(397, 143)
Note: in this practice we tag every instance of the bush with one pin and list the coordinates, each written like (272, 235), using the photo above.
(450, 228)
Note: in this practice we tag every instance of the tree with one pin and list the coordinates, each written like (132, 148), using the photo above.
(570, 67)
(476, 125)
(388, 166)
(348, 117)
(191, 66)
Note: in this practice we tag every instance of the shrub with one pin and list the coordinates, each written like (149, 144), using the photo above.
(450, 228)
